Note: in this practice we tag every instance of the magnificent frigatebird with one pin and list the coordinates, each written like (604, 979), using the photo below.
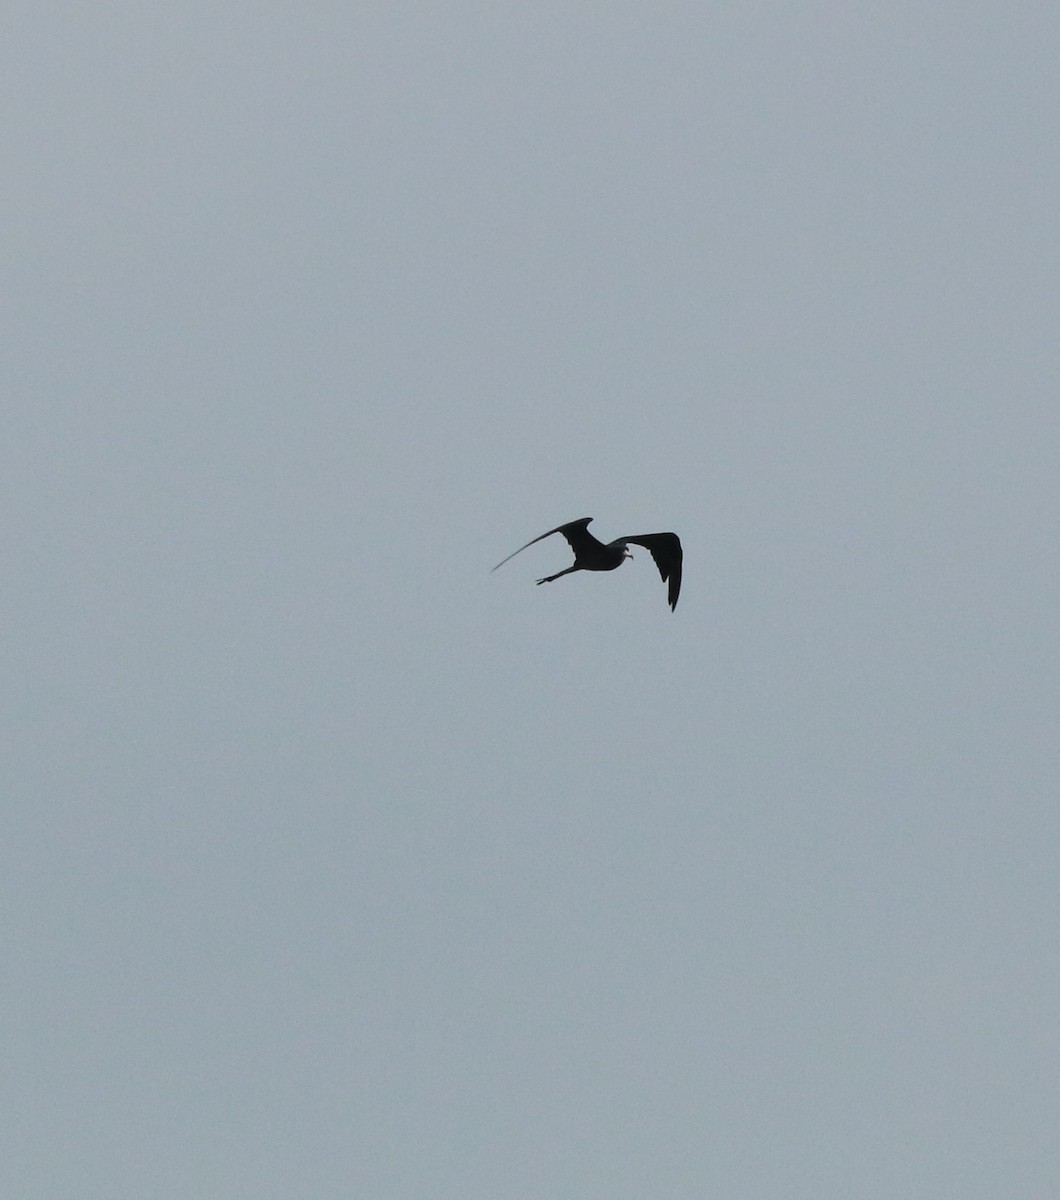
(591, 555)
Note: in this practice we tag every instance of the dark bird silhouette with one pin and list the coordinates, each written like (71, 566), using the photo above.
(591, 555)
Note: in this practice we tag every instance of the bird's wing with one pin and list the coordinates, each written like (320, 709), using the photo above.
(665, 548)
(576, 532)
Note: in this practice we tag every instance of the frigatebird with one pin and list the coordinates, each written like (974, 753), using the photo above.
(591, 555)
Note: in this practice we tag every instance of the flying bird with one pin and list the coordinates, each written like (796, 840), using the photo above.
(591, 555)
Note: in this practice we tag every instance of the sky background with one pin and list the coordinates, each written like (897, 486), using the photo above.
(333, 865)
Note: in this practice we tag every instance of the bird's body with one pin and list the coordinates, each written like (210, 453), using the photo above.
(593, 555)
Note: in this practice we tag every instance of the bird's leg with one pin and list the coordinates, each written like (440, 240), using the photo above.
(549, 578)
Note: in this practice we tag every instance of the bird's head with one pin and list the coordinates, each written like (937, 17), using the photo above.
(626, 553)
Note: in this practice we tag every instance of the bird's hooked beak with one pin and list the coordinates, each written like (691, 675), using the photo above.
(627, 553)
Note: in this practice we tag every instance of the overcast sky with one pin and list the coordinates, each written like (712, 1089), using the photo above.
(333, 865)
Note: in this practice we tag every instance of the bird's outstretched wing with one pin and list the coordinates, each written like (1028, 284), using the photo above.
(576, 532)
(665, 548)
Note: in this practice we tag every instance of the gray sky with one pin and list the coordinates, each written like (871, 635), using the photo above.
(335, 866)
